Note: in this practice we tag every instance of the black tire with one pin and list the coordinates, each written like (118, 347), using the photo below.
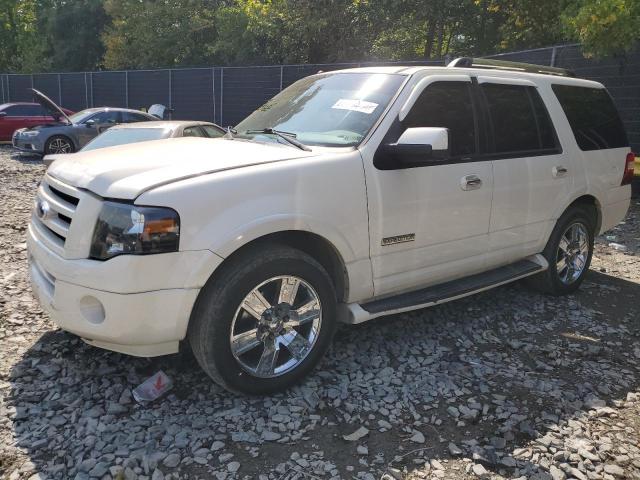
(550, 281)
(218, 304)
(50, 146)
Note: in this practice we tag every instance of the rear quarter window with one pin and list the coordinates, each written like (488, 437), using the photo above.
(592, 116)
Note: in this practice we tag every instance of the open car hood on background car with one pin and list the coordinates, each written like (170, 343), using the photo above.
(50, 105)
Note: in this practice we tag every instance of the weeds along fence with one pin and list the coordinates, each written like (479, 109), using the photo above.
(225, 95)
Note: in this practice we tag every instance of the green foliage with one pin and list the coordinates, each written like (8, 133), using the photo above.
(72, 35)
(604, 27)
(158, 33)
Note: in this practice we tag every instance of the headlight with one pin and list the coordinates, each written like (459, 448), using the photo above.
(129, 229)
(30, 133)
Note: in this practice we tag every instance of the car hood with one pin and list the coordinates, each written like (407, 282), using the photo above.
(50, 105)
(126, 171)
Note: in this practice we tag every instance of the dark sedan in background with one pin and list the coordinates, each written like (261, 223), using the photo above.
(77, 129)
(14, 116)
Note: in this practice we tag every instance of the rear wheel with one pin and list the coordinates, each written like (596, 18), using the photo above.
(568, 251)
(58, 144)
(265, 321)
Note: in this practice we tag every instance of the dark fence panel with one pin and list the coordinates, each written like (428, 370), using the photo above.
(74, 90)
(108, 89)
(19, 86)
(48, 84)
(148, 87)
(192, 94)
(245, 89)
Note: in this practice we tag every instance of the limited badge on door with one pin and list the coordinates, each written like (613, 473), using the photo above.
(407, 237)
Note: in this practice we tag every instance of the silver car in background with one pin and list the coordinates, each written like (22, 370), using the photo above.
(77, 129)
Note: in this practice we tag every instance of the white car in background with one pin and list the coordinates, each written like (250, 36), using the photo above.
(350, 195)
(145, 132)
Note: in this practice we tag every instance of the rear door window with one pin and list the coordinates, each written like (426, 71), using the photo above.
(211, 131)
(131, 117)
(193, 132)
(592, 116)
(519, 119)
(106, 117)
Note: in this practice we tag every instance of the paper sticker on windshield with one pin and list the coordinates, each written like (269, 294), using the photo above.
(355, 105)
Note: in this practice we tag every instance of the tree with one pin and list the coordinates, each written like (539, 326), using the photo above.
(71, 32)
(18, 36)
(162, 33)
(604, 27)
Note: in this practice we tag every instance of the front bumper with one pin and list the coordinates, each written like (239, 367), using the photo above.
(138, 305)
(28, 144)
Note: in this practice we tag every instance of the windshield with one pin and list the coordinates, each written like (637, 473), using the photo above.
(122, 136)
(81, 115)
(335, 110)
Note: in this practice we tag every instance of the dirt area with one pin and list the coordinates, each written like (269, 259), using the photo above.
(505, 384)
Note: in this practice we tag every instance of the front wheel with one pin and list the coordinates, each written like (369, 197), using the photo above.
(264, 321)
(58, 144)
(568, 251)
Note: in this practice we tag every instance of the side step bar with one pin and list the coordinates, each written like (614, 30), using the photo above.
(447, 291)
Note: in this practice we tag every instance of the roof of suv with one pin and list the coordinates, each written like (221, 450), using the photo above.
(442, 70)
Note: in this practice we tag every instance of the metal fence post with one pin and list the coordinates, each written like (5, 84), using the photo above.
(554, 51)
(221, 96)
(126, 88)
(59, 91)
(213, 91)
(170, 88)
(32, 80)
(281, 75)
(91, 82)
(86, 91)
(2, 86)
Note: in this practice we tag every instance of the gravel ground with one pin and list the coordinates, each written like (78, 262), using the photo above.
(505, 384)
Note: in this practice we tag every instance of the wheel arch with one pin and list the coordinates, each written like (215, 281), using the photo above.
(314, 245)
(590, 202)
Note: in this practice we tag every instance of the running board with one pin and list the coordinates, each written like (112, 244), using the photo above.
(447, 291)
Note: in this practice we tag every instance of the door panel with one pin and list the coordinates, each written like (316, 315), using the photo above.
(526, 194)
(531, 174)
(450, 224)
(430, 224)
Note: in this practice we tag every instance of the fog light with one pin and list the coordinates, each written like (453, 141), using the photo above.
(92, 310)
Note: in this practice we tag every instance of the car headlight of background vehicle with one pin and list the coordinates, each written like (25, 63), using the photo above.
(30, 133)
(130, 229)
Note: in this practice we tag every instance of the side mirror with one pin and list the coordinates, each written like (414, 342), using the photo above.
(3, 114)
(90, 123)
(417, 146)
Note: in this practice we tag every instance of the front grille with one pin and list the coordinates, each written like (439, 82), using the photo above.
(56, 205)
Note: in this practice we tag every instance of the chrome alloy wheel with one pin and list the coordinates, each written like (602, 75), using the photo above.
(59, 145)
(573, 252)
(276, 326)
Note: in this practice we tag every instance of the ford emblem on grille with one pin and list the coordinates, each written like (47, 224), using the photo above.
(42, 209)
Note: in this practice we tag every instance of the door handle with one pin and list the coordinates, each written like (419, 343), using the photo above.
(560, 171)
(470, 182)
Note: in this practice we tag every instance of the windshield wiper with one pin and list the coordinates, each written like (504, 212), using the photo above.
(286, 136)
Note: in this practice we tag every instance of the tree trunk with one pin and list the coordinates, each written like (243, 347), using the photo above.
(440, 39)
(431, 33)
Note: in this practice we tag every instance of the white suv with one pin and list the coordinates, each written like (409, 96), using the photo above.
(350, 195)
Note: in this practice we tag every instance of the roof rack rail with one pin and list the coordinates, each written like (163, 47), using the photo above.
(467, 62)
